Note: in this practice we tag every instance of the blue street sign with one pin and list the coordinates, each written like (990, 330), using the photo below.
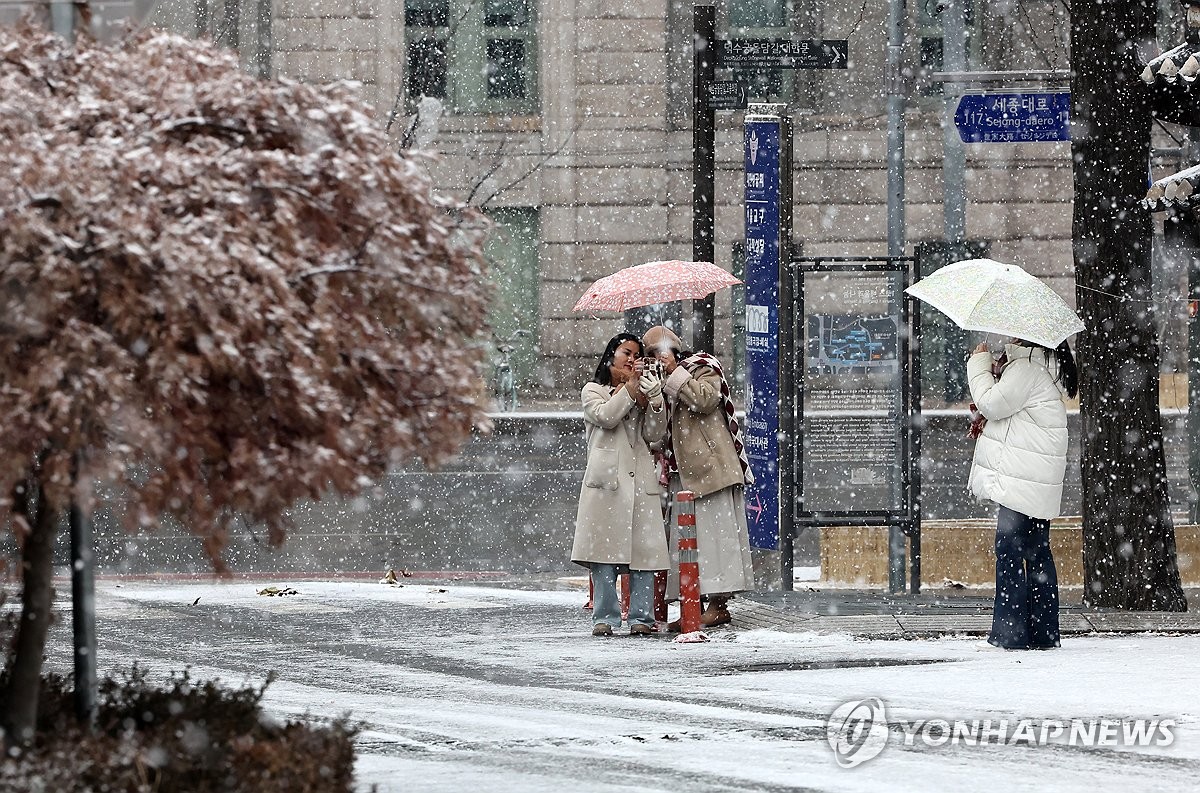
(1014, 117)
(762, 197)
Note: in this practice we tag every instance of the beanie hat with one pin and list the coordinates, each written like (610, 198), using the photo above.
(659, 339)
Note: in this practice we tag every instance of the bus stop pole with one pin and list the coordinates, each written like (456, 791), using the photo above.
(895, 212)
(704, 125)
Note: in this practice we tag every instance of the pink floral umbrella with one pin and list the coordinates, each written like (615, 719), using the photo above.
(654, 282)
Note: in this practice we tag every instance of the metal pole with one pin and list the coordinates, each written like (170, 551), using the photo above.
(83, 611)
(62, 19)
(266, 41)
(915, 424)
(786, 399)
(1193, 372)
(954, 191)
(895, 211)
(704, 124)
(203, 20)
(954, 196)
(231, 25)
(895, 128)
(1048, 76)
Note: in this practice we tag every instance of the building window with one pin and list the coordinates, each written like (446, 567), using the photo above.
(427, 68)
(761, 14)
(506, 13)
(506, 69)
(512, 253)
(931, 61)
(427, 28)
(479, 56)
(427, 13)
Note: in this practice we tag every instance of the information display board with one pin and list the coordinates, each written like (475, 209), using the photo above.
(853, 391)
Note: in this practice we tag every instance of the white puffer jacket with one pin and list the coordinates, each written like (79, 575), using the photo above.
(1021, 457)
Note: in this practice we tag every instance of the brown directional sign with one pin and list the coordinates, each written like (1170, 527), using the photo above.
(782, 54)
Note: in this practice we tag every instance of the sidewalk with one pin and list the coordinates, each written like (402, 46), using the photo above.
(879, 615)
(876, 614)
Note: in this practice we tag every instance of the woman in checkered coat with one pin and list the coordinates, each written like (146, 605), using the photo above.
(704, 457)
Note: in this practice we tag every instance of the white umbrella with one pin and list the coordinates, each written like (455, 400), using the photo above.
(990, 296)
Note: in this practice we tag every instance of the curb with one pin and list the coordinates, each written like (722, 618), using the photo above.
(752, 615)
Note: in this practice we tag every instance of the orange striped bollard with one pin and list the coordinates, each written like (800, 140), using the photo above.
(689, 563)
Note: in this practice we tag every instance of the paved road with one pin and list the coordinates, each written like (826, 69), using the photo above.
(502, 689)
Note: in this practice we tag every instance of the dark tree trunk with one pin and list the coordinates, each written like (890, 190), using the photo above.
(19, 719)
(1128, 535)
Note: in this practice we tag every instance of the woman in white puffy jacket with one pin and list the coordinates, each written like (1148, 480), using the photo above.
(1020, 461)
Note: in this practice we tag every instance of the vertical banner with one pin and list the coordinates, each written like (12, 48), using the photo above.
(763, 194)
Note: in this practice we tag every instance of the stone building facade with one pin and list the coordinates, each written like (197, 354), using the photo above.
(569, 122)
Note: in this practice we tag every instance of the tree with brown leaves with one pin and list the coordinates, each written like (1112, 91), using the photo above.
(220, 294)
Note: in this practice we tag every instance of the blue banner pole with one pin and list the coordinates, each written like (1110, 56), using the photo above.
(767, 140)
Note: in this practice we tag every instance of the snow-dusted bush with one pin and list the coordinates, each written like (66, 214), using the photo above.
(183, 736)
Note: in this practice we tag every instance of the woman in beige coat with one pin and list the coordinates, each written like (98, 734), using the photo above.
(703, 456)
(618, 526)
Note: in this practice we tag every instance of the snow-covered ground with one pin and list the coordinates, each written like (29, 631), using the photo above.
(465, 687)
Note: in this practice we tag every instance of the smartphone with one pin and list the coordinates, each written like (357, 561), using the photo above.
(652, 365)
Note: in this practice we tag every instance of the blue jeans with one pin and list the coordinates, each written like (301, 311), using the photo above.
(1026, 610)
(606, 603)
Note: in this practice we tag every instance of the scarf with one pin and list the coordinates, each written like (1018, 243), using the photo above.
(668, 464)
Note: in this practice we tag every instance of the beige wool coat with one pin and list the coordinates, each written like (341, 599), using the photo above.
(704, 449)
(619, 520)
(709, 466)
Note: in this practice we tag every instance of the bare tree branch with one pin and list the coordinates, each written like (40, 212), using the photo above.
(862, 12)
(497, 161)
(204, 124)
(536, 166)
(1038, 47)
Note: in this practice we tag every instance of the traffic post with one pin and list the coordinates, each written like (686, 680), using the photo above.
(689, 563)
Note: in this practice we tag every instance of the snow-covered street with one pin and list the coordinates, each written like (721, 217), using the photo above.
(462, 687)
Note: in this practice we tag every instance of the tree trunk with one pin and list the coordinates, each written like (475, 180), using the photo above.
(20, 717)
(1128, 535)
